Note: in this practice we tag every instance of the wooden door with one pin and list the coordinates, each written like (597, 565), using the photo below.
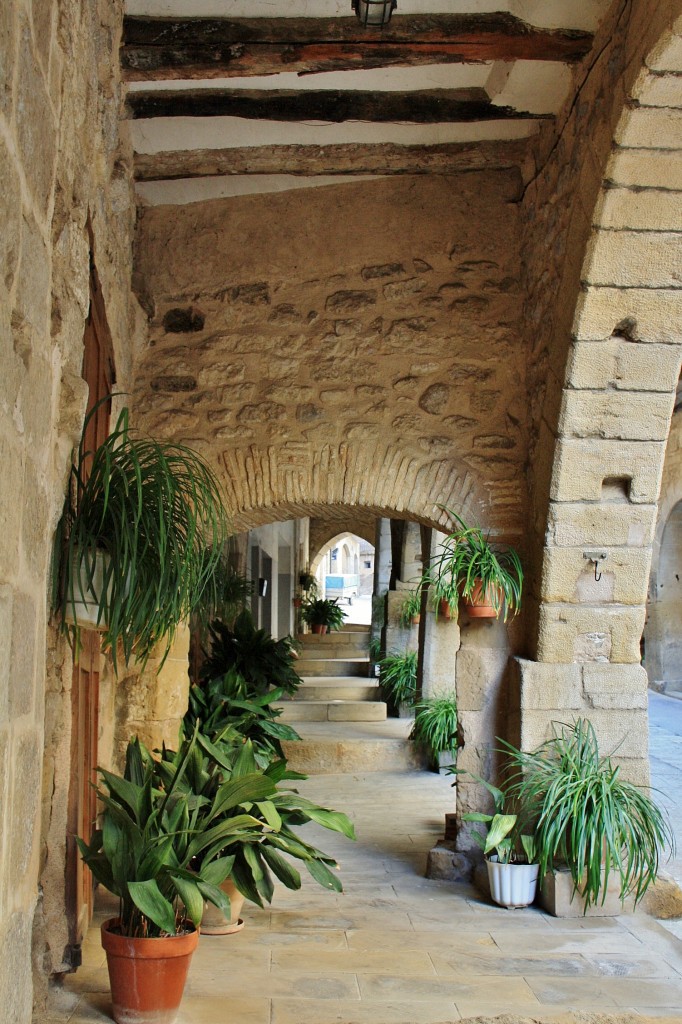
(82, 809)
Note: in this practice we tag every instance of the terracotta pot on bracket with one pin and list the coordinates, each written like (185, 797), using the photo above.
(445, 610)
(415, 619)
(319, 630)
(147, 976)
(479, 606)
(297, 602)
(214, 922)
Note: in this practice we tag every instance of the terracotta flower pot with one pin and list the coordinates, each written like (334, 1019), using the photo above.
(319, 630)
(415, 619)
(297, 602)
(444, 610)
(479, 605)
(214, 921)
(147, 976)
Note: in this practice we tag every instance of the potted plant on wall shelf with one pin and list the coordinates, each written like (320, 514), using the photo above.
(488, 577)
(162, 857)
(322, 615)
(509, 851)
(139, 539)
(410, 609)
(398, 675)
(590, 822)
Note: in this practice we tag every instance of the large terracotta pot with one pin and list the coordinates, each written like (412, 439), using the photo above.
(214, 921)
(147, 976)
(479, 606)
(320, 630)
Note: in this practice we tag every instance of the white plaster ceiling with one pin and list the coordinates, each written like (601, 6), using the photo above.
(537, 89)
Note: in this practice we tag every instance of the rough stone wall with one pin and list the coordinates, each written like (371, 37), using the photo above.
(60, 161)
(663, 629)
(353, 344)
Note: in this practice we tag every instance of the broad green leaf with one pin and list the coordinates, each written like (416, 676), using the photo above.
(217, 871)
(269, 812)
(500, 827)
(323, 875)
(285, 871)
(191, 896)
(149, 899)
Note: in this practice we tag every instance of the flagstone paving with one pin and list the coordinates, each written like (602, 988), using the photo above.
(396, 948)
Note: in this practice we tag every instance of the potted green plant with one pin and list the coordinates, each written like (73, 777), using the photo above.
(509, 850)
(322, 615)
(589, 819)
(260, 660)
(488, 577)
(435, 728)
(410, 609)
(163, 857)
(218, 764)
(138, 541)
(398, 675)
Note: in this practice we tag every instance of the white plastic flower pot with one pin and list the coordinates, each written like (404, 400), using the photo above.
(512, 885)
(83, 606)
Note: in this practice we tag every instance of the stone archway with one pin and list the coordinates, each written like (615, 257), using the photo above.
(609, 421)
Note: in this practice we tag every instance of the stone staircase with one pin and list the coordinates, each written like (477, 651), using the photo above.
(338, 713)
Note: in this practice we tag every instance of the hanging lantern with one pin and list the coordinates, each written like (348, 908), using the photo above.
(374, 13)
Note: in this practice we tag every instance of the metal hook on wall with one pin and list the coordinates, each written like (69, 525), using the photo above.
(596, 557)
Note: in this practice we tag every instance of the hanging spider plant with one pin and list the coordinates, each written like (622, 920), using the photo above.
(140, 537)
(435, 725)
(589, 818)
(399, 679)
(470, 565)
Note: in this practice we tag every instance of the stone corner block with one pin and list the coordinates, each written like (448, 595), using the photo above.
(548, 687)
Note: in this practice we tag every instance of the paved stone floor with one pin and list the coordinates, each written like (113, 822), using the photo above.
(665, 749)
(395, 948)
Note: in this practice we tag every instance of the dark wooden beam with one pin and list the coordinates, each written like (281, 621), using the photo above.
(428, 106)
(346, 159)
(198, 48)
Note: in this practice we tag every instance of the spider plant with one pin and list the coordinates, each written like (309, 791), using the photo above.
(410, 609)
(435, 725)
(588, 817)
(152, 509)
(469, 563)
(399, 679)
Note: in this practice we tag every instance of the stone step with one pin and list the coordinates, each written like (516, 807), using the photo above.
(332, 711)
(312, 641)
(333, 747)
(344, 651)
(332, 666)
(336, 688)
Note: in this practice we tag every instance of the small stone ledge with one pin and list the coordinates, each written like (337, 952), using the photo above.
(446, 863)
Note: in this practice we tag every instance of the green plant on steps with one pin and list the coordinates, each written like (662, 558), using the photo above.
(255, 656)
(468, 561)
(230, 712)
(588, 817)
(144, 513)
(435, 725)
(226, 593)
(399, 679)
(321, 612)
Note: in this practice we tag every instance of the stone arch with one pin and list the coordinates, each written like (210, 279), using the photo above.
(608, 422)
(338, 539)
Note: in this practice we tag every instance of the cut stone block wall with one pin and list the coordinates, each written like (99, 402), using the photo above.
(61, 162)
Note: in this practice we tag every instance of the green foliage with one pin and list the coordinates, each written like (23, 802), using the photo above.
(154, 509)
(435, 724)
(399, 679)
(320, 612)
(213, 771)
(161, 853)
(308, 584)
(411, 606)
(375, 648)
(259, 659)
(504, 836)
(226, 593)
(468, 557)
(587, 816)
(229, 712)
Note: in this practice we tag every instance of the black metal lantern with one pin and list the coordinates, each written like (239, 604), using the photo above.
(374, 13)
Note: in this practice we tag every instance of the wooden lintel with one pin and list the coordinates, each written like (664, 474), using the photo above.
(428, 106)
(192, 48)
(346, 159)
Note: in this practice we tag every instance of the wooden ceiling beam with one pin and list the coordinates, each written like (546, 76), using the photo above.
(342, 159)
(199, 48)
(428, 106)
